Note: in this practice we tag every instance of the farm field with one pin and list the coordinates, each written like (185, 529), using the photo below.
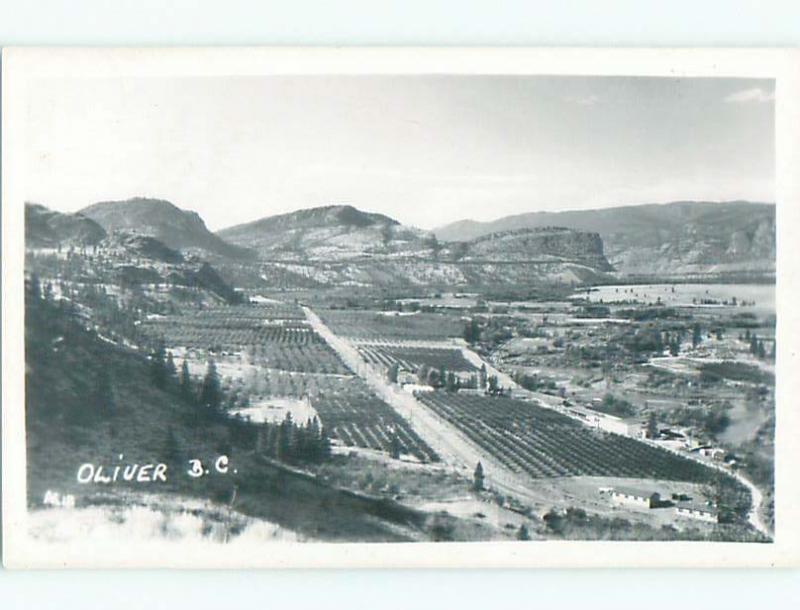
(379, 325)
(542, 443)
(346, 407)
(227, 327)
(274, 336)
(358, 418)
(411, 358)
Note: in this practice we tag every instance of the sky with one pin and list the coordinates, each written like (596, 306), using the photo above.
(427, 150)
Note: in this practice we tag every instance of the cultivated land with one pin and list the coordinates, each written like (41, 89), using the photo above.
(370, 409)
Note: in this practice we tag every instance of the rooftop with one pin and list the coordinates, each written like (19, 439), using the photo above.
(634, 491)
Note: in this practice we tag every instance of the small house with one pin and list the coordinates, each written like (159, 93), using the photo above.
(636, 498)
(716, 453)
(698, 511)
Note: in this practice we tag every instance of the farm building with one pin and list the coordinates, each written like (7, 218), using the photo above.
(405, 376)
(619, 425)
(638, 498)
(415, 388)
(716, 453)
(696, 510)
(606, 422)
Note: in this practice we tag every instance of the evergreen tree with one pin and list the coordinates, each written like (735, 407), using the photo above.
(652, 425)
(395, 446)
(522, 533)
(169, 367)
(271, 447)
(158, 364)
(285, 440)
(472, 331)
(186, 391)
(697, 336)
(393, 373)
(324, 445)
(210, 391)
(300, 443)
(478, 478)
(482, 377)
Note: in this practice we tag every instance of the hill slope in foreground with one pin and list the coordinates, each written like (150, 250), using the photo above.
(676, 238)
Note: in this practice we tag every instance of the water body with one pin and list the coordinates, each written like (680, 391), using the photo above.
(759, 298)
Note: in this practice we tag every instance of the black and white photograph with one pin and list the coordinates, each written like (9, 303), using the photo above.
(265, 311)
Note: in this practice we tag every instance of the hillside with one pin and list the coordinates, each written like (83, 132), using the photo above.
(134, 245)
(46, 228)
(178, 229)
(680, 237)
(339, 231)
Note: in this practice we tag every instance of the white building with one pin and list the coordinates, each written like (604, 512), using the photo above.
(701, 512)
(606, 422)
(636, 498)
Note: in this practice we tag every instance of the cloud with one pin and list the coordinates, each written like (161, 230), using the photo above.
(754, 95)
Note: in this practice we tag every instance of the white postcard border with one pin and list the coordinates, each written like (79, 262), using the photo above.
(22, 65)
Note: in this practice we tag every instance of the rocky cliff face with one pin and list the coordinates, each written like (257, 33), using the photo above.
(531, 245)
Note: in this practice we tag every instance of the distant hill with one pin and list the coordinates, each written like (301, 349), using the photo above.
(339, 231)
(178, 229)
(46, 228)
(343, 246)
(675, 238)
